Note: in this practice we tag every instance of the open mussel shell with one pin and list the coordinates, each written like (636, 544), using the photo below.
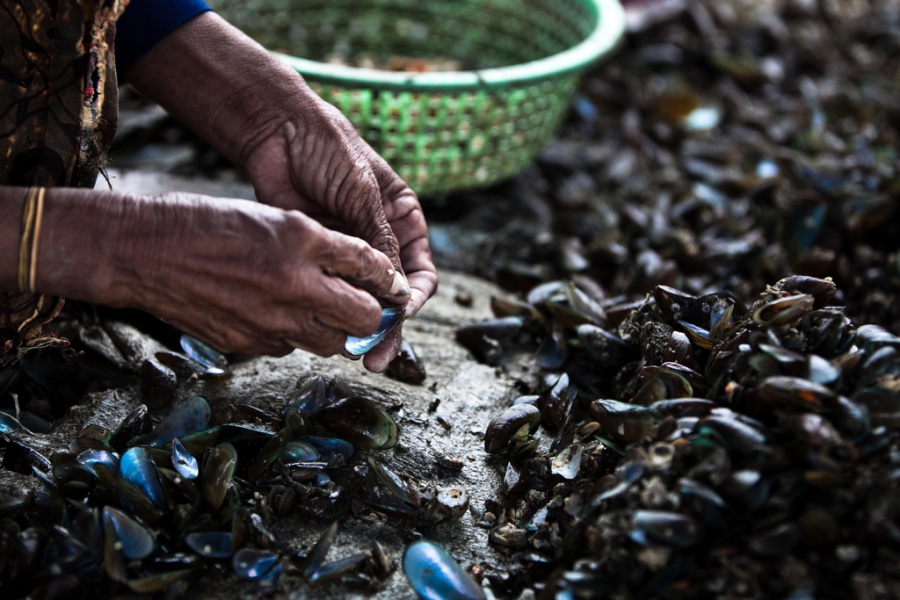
(683, 407)
(295, 452)
(197, 443)
(406, 366)
(183, 461)
(267, 455)
(211, 544)
(317, 555)
(212, 361)
(624, 422)
(359, 421)
(327, 447)
(736, 434)
(158, 582)
(218, 471)
(391, 316)
(137, 423)
(310, 397)
(673, 529)
(434, 575)
(253, 564)
(9, 424)
(334, 570)
(777, 541)
(190, 417)
(609, 349)
(132, 539)
(782, 311)
(393, 482)
(485, 340)
(138, 469)
(820, 289)
(504, 427)
(89, 458)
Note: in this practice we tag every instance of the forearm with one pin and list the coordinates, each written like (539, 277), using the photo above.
(221, 84)
(80, 254)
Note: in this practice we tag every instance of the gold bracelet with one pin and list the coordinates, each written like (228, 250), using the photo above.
(32, 215)
(36, 236)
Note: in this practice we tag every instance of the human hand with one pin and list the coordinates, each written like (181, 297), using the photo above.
(299, 152)
(241, 276)
(317, 163)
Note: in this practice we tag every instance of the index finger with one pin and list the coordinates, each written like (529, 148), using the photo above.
(356, 261)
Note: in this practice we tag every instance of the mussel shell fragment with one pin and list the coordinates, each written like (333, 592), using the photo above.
(567, 463)
(782, 311)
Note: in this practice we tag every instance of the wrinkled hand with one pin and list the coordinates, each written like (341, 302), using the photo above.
(243, 276)
(316, 163)
(299, 152)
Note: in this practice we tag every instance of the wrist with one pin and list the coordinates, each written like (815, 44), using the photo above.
(88, 246)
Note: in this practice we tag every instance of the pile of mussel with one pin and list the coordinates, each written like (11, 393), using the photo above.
(697, 446)
(147, 506)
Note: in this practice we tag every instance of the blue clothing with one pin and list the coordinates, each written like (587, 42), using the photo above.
(145, 22)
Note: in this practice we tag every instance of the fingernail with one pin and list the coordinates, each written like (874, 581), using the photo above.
(400, 286)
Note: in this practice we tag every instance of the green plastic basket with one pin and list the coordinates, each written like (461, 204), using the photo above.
(442, 131)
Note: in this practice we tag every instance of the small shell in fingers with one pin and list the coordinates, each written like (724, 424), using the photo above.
(391, 316)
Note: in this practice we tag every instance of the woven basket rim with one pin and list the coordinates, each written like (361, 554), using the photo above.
(605, 37)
